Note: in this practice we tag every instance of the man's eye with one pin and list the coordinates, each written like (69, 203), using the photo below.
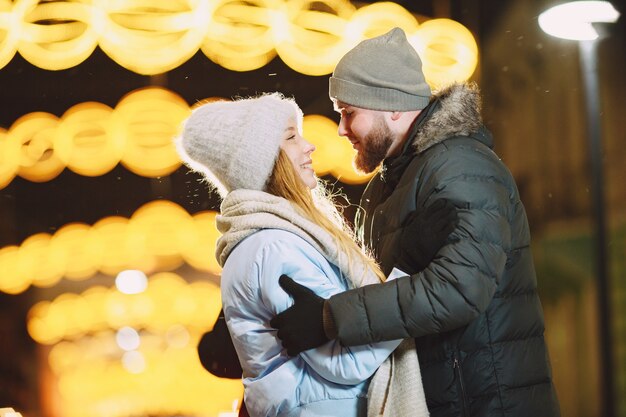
(291, 137)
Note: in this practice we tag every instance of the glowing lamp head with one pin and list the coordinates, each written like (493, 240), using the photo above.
(574, 20)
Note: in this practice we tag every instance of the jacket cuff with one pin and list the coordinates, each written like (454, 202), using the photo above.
(328, 321)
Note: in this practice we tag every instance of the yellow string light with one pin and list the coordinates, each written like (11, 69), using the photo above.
(168, 301)
(34, 133)
(195, 246)
(448, 51)
(94, 376)
(155, 36)
(12, 280)
(36, 260)
(91, 139)
(119, 246)
(170, 382)
(83, 141)
(70, 244)
(159, 235)
(146, 121)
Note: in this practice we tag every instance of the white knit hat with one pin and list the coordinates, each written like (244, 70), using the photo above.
(234, 144)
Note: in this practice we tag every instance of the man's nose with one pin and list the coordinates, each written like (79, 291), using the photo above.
(342, 129)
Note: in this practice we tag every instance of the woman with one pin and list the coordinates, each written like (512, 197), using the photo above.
(276, 220)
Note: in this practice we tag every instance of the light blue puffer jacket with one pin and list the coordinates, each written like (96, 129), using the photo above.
(329, 380)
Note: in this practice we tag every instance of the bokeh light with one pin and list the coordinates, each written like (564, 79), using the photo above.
(160, 235)
(91, 139)
(153, 37)
(131, 281)
(127, 338)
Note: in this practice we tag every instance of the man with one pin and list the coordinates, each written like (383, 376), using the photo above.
(474, 310)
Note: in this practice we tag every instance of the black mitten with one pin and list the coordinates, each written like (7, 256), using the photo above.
(217, 353)
(301, 326)
(424, 233)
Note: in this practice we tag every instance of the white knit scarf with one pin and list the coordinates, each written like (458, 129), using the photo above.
(396, 388)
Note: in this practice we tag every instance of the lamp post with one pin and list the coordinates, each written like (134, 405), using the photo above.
(574, 21)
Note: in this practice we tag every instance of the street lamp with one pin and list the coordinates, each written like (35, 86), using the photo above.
(574, 20)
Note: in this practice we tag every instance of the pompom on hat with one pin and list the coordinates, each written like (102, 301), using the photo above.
(235, 144)
(382, 73)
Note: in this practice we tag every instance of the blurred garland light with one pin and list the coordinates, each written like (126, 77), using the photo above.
(106, 347)
(152, 381)
(91, 139)
(169, 300)
(159, 235)
(155, 36)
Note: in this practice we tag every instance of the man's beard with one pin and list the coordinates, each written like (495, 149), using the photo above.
(374, 147)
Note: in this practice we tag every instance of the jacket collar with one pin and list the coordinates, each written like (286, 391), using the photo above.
(457, 114)
(453, 111)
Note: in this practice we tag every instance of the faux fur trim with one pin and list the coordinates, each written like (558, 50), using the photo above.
(458, 115)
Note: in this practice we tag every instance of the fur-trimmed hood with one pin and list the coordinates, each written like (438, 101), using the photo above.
(457, 114)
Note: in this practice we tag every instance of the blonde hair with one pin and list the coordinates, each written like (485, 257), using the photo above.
(317, 206)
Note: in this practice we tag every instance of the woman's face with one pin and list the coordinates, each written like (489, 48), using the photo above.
(299, 152)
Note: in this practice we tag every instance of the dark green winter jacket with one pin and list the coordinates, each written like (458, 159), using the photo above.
(474, 311)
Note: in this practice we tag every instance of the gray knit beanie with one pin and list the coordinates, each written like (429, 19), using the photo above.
(234, 144)
(381, 73)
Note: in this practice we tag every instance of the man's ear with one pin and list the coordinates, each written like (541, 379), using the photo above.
(408, 115)
(395, 115)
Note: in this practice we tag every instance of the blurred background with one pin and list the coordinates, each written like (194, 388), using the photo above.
(107, 276)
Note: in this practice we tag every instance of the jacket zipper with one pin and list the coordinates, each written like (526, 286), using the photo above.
(456, 364)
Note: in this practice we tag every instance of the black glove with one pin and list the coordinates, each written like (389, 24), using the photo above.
(424, 233)
(301, 326)
(217, 353)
